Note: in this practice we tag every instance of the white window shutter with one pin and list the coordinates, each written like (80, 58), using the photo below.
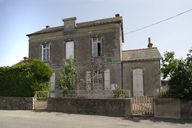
(94, 48)
(52, 79)
(107, 79)
(42, 53)
(69, 50)
(88, 80)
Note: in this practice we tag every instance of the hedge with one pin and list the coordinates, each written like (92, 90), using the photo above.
(24, 78)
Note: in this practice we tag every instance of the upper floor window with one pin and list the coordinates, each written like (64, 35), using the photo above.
(45, 52)
(96, 47)
(70, 50)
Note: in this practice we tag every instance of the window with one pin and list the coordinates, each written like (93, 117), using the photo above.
(96, 81)
(69, 50)
(45, 52)
(96, 47)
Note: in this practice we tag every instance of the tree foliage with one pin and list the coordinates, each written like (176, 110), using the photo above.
(179, 73)
(24, 78)
(67, 76)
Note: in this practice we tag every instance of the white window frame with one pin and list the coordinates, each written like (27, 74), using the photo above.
(95, 43)
(70, 51)
(45, 47)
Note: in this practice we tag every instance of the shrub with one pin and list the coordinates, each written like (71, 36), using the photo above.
(24, 78)
(119, 92)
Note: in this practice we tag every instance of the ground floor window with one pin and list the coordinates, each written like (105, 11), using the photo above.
(98, 80)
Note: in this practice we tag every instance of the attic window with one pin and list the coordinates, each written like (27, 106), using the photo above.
(96, 47)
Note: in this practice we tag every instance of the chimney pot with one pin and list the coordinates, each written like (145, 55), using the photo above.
(117, 15)
(25, 58)
(47, 26)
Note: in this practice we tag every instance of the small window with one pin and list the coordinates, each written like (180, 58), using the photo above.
(45, 52)
(70, 50)
(96, 47)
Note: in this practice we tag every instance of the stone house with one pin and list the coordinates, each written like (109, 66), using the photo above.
(97, 45)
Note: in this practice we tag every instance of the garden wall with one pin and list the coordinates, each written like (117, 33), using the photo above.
(16, 103)
(107, 107)
(172, 108)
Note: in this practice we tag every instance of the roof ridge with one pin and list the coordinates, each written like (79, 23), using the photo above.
(81, 24)
(139, 49)
(97, 20)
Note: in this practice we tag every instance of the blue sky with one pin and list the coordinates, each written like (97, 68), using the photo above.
(21, 17)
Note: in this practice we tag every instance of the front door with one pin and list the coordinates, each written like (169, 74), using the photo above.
(137, 82)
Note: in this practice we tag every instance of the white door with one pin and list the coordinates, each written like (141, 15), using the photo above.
(53, 82)
(137, 82)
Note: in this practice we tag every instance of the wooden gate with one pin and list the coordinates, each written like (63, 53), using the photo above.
(142, 105)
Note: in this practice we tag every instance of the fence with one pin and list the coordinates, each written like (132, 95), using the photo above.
(142, 105)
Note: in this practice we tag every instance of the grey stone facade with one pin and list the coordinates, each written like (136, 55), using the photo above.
(110, 55)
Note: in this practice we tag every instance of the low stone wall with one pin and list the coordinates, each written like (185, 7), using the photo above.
(186, 109)
(172, 108)
(16, 103)
(167, 107)
(107, 107)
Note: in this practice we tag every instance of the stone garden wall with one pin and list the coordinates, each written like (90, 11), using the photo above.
(172, 108)
(107, 107)
(16, 103)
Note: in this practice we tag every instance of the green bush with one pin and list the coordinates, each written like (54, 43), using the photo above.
(24, 78)
(119, 92)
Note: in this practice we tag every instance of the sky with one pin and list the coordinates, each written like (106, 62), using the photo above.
(21, 17)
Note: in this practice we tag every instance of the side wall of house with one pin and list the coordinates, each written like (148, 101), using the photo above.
(151, 76)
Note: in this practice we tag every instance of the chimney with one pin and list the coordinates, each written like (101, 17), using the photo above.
(117, 15)
(150, 45)
(25, 58)
(69, 23)
(47, 26)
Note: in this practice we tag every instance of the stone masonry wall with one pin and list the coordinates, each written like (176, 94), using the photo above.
(172, 108)
(107, 107)
(16, 103)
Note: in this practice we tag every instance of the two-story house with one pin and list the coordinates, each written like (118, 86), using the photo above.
(96, 47)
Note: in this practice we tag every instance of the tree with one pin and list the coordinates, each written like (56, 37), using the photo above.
(179, 73)
(67, 76)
